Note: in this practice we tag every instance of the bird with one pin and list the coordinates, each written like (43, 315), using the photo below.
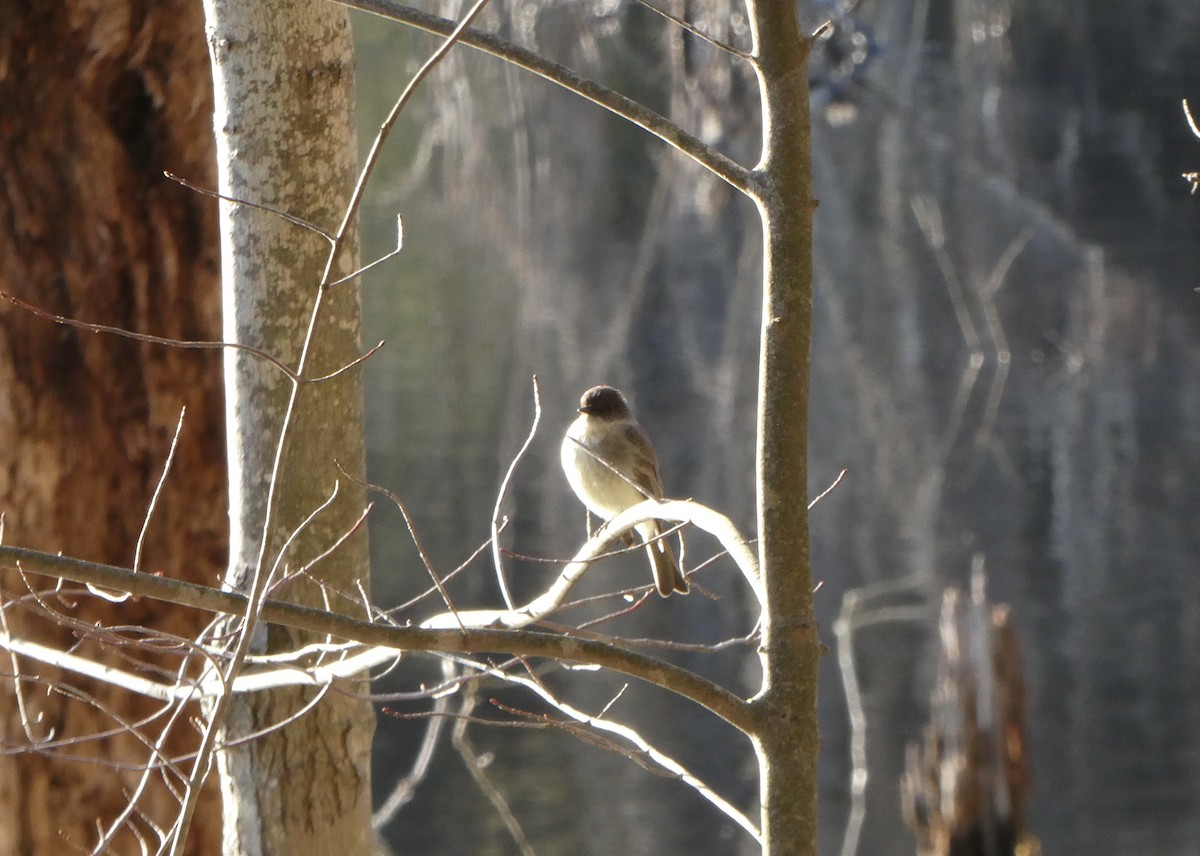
(610, 465)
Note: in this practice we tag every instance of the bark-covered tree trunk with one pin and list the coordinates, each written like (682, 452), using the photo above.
(787, 739)
(97, 100)
(284, 76)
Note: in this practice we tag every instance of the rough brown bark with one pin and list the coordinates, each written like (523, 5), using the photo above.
(98, 99)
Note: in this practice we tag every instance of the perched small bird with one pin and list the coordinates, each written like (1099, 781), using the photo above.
(611, 465)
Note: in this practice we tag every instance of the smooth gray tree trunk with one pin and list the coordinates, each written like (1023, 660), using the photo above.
(284, 84)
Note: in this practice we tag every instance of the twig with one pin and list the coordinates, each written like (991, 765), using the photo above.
(144, 778)
(404, 789)
(146, 337)
(650, 755)
(137, 552)
(500, 494)
(299, 713)
(282, 215)
(438, 582)
(189, 344)
(361, 358)
(273, 578)
(381, 259)
(718, 163)
(698, 33)
(385, 130)
(995, 327)
(929, 221)
(22, 709)
(1187, 111)
(849, 620)
(306, 569)
(837, 481)
(470, 758)
(388, 640)
(413, 601)
(1192, 178)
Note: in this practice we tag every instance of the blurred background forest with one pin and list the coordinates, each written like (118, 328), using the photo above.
(1006, 361)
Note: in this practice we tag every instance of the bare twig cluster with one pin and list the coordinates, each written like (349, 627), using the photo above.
(191, 682)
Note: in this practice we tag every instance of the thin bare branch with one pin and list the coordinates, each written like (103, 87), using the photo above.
(385, 130)
(146, 337)
(362, 358)
(719, 164)
(412, 533)
(650, 756)
(995, 328)
(389, 639)
(379, 261)
(279, 573)
(698, 33)
(837, 481)
(144, 779)
(413, 601)
(1187, 111)
(367, 267)
(497, 562)
(299, 713)
(137, 552)
(306, 569)
(282, 215)
(642, 598)
(850, 619)
(475, 767)
(404, 789)
(27, 721)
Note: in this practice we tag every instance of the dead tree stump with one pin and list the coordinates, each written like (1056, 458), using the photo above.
(965, 787)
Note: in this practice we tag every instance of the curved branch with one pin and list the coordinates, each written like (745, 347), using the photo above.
(719, 164)
(389, 639)
(674, 511)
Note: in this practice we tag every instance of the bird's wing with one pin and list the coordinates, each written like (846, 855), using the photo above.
(645, 462)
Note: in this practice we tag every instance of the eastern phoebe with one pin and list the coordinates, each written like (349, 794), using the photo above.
(611, 465)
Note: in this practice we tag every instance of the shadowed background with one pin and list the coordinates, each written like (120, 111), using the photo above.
(1006, 360)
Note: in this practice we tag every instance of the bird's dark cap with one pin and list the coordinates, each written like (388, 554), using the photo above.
(604, 402)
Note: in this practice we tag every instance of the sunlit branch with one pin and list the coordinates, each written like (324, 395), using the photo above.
(1187, 111)
(381, 259)
(678, 511)
(388, 641)
(651, 756)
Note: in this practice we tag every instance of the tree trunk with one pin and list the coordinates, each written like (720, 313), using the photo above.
(99, 99)
(787, 740)
(284, 77)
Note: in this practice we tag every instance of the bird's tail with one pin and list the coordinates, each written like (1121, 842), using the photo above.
(667, 576)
